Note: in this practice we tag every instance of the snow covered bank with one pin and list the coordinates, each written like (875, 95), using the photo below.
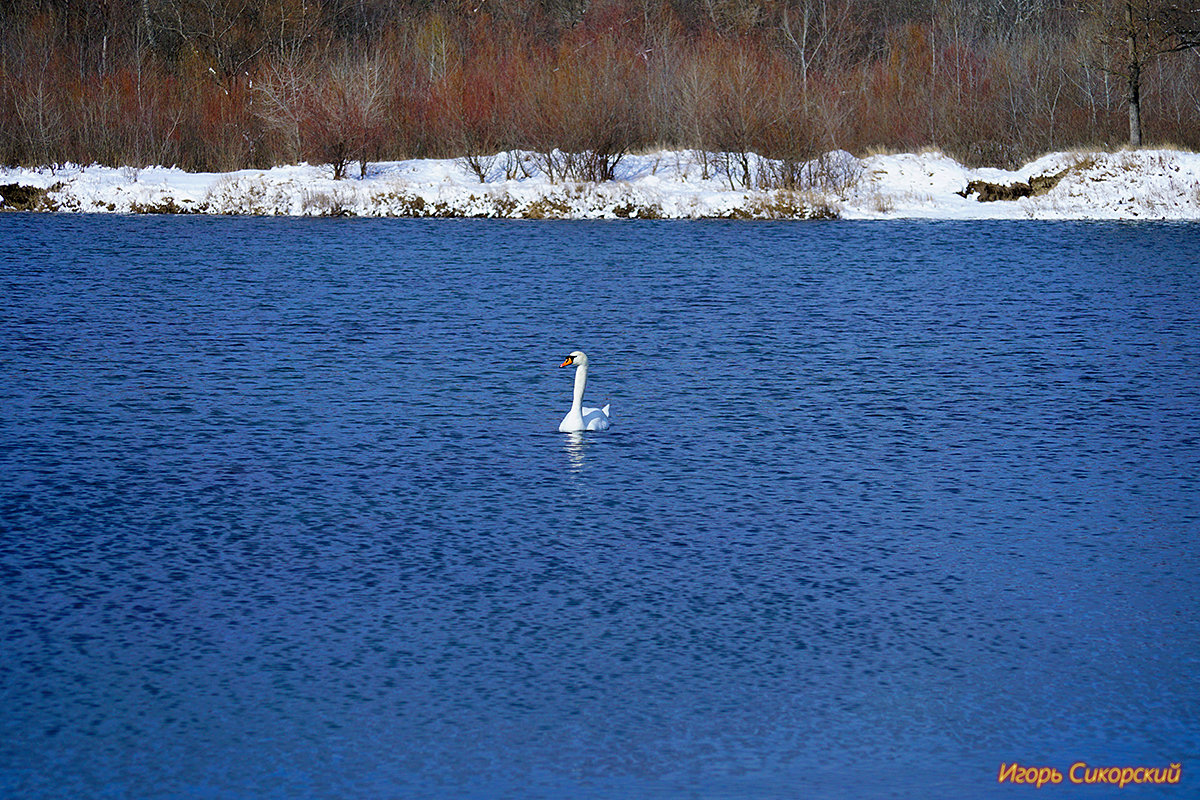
(1141, 184)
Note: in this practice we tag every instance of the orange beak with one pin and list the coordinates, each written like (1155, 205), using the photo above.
(570, 359)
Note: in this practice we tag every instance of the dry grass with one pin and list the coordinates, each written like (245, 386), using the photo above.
(165, 206)
(18, 197)
(882, 203)
(785, 204)
(336, 203)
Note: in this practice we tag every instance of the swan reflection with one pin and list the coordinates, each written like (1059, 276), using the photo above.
(574, 443)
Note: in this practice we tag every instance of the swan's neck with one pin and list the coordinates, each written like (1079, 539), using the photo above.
(580, 382)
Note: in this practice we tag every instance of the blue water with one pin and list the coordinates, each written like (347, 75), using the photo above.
(285, 513)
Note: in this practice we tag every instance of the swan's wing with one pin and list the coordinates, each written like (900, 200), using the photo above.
(596, 419)
(598, 423)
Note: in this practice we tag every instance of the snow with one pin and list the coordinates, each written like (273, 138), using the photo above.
(1130, 184)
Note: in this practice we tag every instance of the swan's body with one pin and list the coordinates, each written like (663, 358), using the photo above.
(580, 417)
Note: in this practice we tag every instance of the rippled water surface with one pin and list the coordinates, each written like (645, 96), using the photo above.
(285, 512)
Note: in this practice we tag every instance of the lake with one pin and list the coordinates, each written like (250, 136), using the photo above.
(286, 514)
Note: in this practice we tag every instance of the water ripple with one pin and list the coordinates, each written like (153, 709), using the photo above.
(878, 497)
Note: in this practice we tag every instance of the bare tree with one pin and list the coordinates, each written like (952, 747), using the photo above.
(695, 81)
(279, 101)
(746, 105)
(586, 109)
(223, 84)
(1137, 31)
(475, 107)
(332, 112)
(820, 33)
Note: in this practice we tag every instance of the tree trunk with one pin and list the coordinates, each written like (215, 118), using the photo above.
(146, 23)
(1135, 81)
(1135, 106)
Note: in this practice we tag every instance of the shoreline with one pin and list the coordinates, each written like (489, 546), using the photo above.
(1080, 185)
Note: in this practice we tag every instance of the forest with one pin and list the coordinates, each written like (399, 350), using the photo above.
(219, 85)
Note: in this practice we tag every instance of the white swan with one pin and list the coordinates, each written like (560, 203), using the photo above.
(580, 417)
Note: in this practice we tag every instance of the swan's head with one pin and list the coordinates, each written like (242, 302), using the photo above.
(576, 357)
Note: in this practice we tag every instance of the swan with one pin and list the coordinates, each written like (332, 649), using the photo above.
(580, 417)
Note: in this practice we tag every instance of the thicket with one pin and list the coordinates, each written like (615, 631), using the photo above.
(227, 84)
